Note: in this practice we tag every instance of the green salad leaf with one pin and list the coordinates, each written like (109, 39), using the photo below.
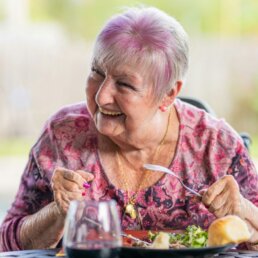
(194, 236)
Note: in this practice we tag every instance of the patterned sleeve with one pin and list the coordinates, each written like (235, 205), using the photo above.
(244, 171)
(59, 143)
(33, 194)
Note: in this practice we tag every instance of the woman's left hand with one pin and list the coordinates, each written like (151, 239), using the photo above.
(223, 198)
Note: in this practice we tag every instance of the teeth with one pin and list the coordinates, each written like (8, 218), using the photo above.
(110, 113)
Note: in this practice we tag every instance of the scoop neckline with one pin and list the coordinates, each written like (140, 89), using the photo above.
(111, 185)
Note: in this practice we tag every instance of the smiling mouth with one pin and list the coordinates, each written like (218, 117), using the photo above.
(109, 113)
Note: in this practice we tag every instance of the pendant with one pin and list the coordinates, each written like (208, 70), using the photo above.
(130, 210)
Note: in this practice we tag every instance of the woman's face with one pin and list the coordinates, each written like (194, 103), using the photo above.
(121, 100)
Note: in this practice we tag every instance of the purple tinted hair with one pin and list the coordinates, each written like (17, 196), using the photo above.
(148, 38)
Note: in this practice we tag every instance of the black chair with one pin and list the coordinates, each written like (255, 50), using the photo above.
(203, 105)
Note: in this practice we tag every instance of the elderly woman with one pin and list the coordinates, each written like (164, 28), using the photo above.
(133, 117)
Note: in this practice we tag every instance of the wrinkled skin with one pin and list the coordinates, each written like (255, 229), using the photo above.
(67, 185)
(224, 198)
(44, 229)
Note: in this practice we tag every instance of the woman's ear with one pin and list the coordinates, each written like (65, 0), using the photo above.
(170, 96)
(176, 89)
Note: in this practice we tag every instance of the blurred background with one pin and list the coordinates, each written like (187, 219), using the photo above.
(45, 51)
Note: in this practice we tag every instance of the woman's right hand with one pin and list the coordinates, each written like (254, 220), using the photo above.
(67, 185)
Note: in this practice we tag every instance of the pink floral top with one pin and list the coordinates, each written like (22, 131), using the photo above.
(207, 149)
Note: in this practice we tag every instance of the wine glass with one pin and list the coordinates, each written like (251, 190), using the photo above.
(92, 229)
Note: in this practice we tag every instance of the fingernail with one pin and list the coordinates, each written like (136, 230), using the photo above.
(83, 193)
(86, 185)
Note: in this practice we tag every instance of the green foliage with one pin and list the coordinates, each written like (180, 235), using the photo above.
(254, 102)
(1, 11)
(194, 236)
(86, 17)
(15, 147)
(254, 147)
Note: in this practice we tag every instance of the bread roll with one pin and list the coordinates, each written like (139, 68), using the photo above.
(226, 230)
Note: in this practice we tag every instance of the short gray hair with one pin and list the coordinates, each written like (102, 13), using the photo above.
(149, 37)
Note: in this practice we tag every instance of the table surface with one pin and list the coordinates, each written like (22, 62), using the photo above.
(31, 253)
(52, 253)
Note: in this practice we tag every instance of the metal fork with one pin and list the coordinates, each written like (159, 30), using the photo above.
(170, 172)
(135, 239)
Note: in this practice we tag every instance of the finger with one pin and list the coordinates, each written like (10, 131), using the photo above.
(74, 196)
(74, 177)
(254, 233)
(70, 183)
(203, 191)
(57, 174)
(70, 186)
(219, 201)
(59, 202)
(231, 205)
(65, 196)
(87, 176)
(64, 199)
(65, 208)
(214, 190)
(236, 208)
(70, 175)
(64, 173)
(79, 177)
(223, 211)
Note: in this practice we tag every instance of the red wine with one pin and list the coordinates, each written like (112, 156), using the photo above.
(92, 253)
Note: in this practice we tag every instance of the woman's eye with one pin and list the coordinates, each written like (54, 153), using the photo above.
(124, 84)
(96, 71)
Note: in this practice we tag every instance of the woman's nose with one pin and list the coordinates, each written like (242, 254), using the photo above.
(105, 93)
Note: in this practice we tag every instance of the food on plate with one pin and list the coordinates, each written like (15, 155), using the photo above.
(193, 237)
(226, 230)
(161, 241)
